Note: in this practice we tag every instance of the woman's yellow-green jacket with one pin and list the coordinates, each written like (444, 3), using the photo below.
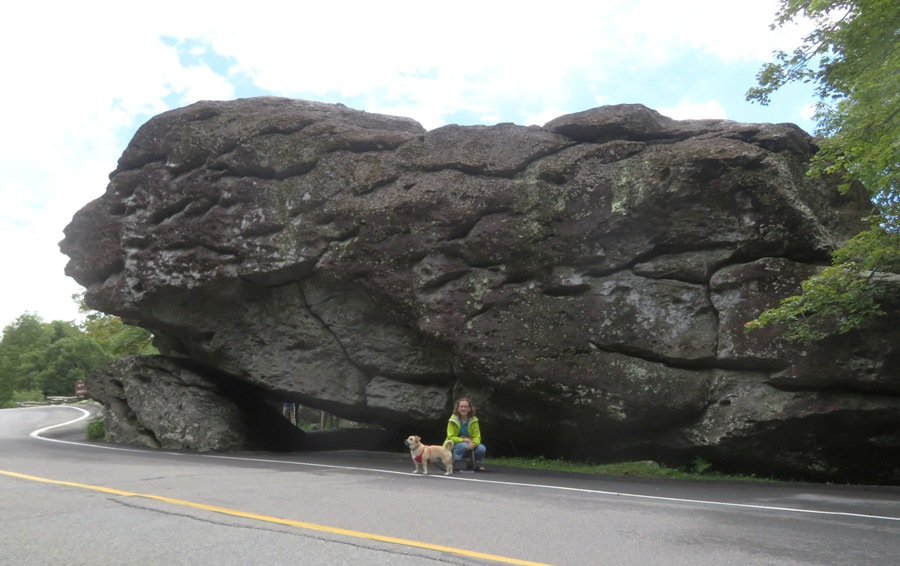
(454, 425)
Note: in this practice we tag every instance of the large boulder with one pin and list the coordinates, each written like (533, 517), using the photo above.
(586, 282)
(159, 402)
(172, 403)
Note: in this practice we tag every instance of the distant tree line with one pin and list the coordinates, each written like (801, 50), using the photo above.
(39, 359)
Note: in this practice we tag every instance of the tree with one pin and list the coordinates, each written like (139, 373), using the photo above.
(853, 58)
(68, 360)
(21, 339)
(51, 357)
(117, 338)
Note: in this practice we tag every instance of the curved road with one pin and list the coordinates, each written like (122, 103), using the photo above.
(64, 500)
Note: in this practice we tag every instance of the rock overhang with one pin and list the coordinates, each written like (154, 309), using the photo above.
(596, 271)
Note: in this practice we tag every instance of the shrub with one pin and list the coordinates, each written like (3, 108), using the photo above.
(96, 430)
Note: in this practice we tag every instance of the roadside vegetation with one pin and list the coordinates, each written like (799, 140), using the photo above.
(45, 359)
(698, 469)
(96, 429)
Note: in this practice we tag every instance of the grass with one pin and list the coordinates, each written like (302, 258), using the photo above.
(699, 469)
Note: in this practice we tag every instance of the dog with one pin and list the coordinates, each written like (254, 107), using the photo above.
(423, 454)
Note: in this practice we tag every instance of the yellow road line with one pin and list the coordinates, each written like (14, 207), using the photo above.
(280, 521)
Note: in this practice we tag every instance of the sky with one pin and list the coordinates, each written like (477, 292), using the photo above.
(81, 77)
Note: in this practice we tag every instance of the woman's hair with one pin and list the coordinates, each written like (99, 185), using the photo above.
(467, 400)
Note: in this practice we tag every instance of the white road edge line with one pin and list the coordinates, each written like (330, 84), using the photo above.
(37, 434)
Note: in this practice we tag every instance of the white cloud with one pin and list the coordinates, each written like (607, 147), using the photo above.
(200, 83)
(479, 54)
(544, 116)
(728, 30)
(79, 84)
(687, 110)
(807, 111)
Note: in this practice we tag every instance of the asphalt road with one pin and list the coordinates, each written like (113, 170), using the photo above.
(64, 500)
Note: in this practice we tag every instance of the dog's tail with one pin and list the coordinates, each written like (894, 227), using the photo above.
(448, 444)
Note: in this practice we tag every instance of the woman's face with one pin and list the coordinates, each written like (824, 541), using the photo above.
(463, 408)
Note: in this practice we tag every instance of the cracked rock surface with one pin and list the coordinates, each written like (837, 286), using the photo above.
(585, 282)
